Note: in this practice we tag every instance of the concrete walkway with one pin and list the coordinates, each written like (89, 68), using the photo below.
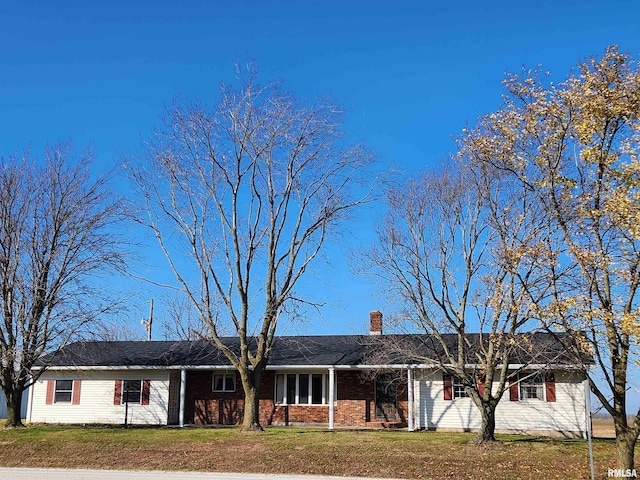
(69, 474)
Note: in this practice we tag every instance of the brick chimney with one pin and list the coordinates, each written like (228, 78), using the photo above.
(375, 323)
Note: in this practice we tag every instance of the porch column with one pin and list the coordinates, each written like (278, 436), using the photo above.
(410, 414)
(332, 394)
(183, 389)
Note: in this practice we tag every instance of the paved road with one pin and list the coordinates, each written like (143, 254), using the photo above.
(68, 474)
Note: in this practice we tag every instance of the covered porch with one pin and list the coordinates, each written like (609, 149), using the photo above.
(330, 396)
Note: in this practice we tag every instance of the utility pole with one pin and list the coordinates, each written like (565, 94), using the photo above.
(148, 323)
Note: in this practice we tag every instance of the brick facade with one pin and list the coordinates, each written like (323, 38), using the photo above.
(355, 405)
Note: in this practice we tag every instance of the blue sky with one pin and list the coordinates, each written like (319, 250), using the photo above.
(409, 74)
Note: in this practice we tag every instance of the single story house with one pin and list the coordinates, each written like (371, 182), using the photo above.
(320, 380)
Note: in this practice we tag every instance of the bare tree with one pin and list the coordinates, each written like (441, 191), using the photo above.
(113, 331)
(242, 197)
(183, 321)
(56, 239)
(458, 249)
(575, 145)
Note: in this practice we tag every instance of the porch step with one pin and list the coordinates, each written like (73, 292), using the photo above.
(386, 424)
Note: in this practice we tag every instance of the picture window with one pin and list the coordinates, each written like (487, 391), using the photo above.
(302, 389)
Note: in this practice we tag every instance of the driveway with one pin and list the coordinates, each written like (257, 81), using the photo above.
(68, 474)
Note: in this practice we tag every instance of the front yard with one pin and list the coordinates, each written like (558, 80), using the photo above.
(396, 454)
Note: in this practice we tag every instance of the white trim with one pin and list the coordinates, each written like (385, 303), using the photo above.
(410, 406)
(30, 391)
(332, 394)
(425, 366)
(183, 391)
(297, 394)
(324, 390)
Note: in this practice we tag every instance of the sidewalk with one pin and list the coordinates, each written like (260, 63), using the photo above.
(69, 474)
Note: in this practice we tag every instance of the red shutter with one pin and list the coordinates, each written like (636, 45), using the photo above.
(75, 398)
(550, 386)
(50, 388)
(146, 384)
(117, 393)
(513, 390)
(481, 388)
(448, 386)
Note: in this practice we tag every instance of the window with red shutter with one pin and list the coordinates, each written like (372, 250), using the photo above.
(146, 387)
(117, 393)
(132, 392)
(550, 387)
(50, 389)
(75, 399)
(448, 386)
(513, 390)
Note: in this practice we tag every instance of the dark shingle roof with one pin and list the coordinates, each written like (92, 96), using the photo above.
(303, 351)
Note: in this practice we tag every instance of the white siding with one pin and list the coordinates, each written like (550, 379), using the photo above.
(566, 414)
(23, 405)
(96, 398)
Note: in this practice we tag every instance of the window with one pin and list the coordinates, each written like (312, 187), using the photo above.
(532, 387)
(302, 389)
(224, 382)
(454, 387)
(126, 392)
(317, 389)
(131, 391)
(63, 391)
(458, 389)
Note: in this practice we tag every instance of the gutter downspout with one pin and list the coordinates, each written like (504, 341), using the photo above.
(183, 389)
(30, 392)
(332, 394)
(411, 407)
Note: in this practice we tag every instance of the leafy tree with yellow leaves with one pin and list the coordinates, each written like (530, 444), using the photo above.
(576, 146)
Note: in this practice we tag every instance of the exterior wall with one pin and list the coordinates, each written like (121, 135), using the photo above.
(355, 404)
(356, 401)
(96, 402)
(354, 407)
(203, 406)
(565, 415)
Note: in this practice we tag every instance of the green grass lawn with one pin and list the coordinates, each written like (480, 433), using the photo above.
(374, 453)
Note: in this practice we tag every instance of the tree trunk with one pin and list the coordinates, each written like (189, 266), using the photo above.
(625, 447)
(626, 438)
(251, 417)
(14, 402)
(488, 427)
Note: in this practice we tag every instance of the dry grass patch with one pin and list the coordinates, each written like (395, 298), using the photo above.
(395, 454)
